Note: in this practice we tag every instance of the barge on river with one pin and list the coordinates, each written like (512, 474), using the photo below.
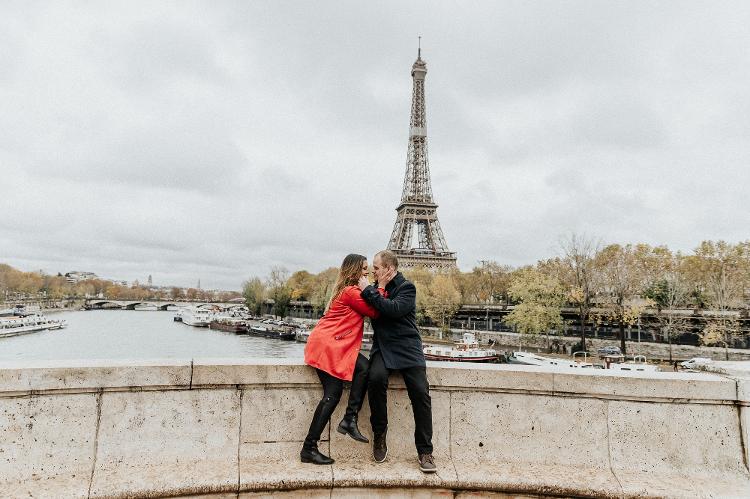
(16, 326)
(229, 324)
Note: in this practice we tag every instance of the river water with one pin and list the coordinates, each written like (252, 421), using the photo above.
(133, 334)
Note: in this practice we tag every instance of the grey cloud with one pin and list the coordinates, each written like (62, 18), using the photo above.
(217, 139)
(157, 53)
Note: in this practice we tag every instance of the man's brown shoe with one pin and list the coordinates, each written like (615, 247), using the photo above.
(427, 463)
(379, 448)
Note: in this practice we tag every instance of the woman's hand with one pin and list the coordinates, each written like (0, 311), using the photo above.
(363, 282)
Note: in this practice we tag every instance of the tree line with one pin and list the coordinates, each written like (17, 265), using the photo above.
(16, 285)
(610, 283)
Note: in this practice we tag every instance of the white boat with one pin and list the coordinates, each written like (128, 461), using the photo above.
(198, 317)
(465, 350)
(637, 364)
(302, 335)
(531, 359)
(15, 326)
(696, 363)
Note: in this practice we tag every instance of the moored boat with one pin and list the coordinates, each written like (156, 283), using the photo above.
(273, 333)
(16, 326)
(302, 335)
(465, 350)
(532, 359)
(618, 363)
(197, 317)
(229, 324)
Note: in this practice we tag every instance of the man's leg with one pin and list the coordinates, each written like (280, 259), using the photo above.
(415, 379)
(377, 393)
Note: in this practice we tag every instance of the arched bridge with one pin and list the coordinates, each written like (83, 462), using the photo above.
(102, 303)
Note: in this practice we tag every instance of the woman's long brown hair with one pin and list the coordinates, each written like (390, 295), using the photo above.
(349, 274)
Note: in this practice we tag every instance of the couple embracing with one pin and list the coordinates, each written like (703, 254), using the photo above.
(333, 350)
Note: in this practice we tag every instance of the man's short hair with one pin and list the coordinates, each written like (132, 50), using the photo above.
(388, 258)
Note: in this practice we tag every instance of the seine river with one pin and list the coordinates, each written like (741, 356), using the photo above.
(130, 334)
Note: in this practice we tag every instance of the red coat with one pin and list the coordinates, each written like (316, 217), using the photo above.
(335, 341)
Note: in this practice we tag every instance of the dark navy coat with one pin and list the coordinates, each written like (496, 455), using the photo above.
(396, 334)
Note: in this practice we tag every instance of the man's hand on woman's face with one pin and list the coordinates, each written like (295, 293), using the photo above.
(363, 282)
(383, 282)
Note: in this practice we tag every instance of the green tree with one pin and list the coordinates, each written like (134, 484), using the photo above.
(722, 271)
(254, 292)
(442, 300)
(322, 289)
(721, 330)
(421, 278)
(539, 298)
(279, 290)
(301, 284)
(579, 277)
(621, 282)
(668, 291)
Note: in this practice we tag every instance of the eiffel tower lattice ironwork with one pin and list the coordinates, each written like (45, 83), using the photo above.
(417, 210)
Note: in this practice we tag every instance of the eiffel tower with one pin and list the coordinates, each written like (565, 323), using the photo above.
(417, 210)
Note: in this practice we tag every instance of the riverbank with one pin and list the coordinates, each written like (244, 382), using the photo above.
(564, 344)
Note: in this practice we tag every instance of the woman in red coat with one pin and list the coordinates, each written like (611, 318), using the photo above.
(333, 350)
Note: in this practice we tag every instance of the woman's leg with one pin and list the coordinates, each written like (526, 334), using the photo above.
(359, 387)
(332, 389)
(348, 425)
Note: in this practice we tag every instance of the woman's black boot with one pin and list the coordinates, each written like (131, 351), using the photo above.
(314, 456)
(348, 426)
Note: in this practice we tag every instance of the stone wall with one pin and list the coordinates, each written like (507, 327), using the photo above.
(652, 351)
(235, 427)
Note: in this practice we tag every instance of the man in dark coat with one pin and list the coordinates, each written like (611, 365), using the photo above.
(397, 346)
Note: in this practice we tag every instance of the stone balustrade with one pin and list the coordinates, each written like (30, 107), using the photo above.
(234, 428)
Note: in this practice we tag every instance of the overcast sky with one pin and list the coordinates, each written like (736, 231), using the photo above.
(213, 140)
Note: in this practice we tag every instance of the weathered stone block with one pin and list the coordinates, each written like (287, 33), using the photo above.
(279, 414)
(252, 372)
(47, 445)
(161, 443)
(517, 442)
(644, 386)
(657, 448)
(277, 466)
(490, 376)
(274, 425)
(91, 375)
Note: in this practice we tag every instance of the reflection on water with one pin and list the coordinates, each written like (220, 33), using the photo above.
(130, 334)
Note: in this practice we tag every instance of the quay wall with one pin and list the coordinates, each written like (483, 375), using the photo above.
(651, 350)
(234, 428)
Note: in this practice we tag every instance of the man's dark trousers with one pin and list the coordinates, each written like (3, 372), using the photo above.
(415, 379)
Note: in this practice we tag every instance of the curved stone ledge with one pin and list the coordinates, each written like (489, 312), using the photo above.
(235, 426)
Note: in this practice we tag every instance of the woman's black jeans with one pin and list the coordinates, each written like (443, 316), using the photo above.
(332, 389)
